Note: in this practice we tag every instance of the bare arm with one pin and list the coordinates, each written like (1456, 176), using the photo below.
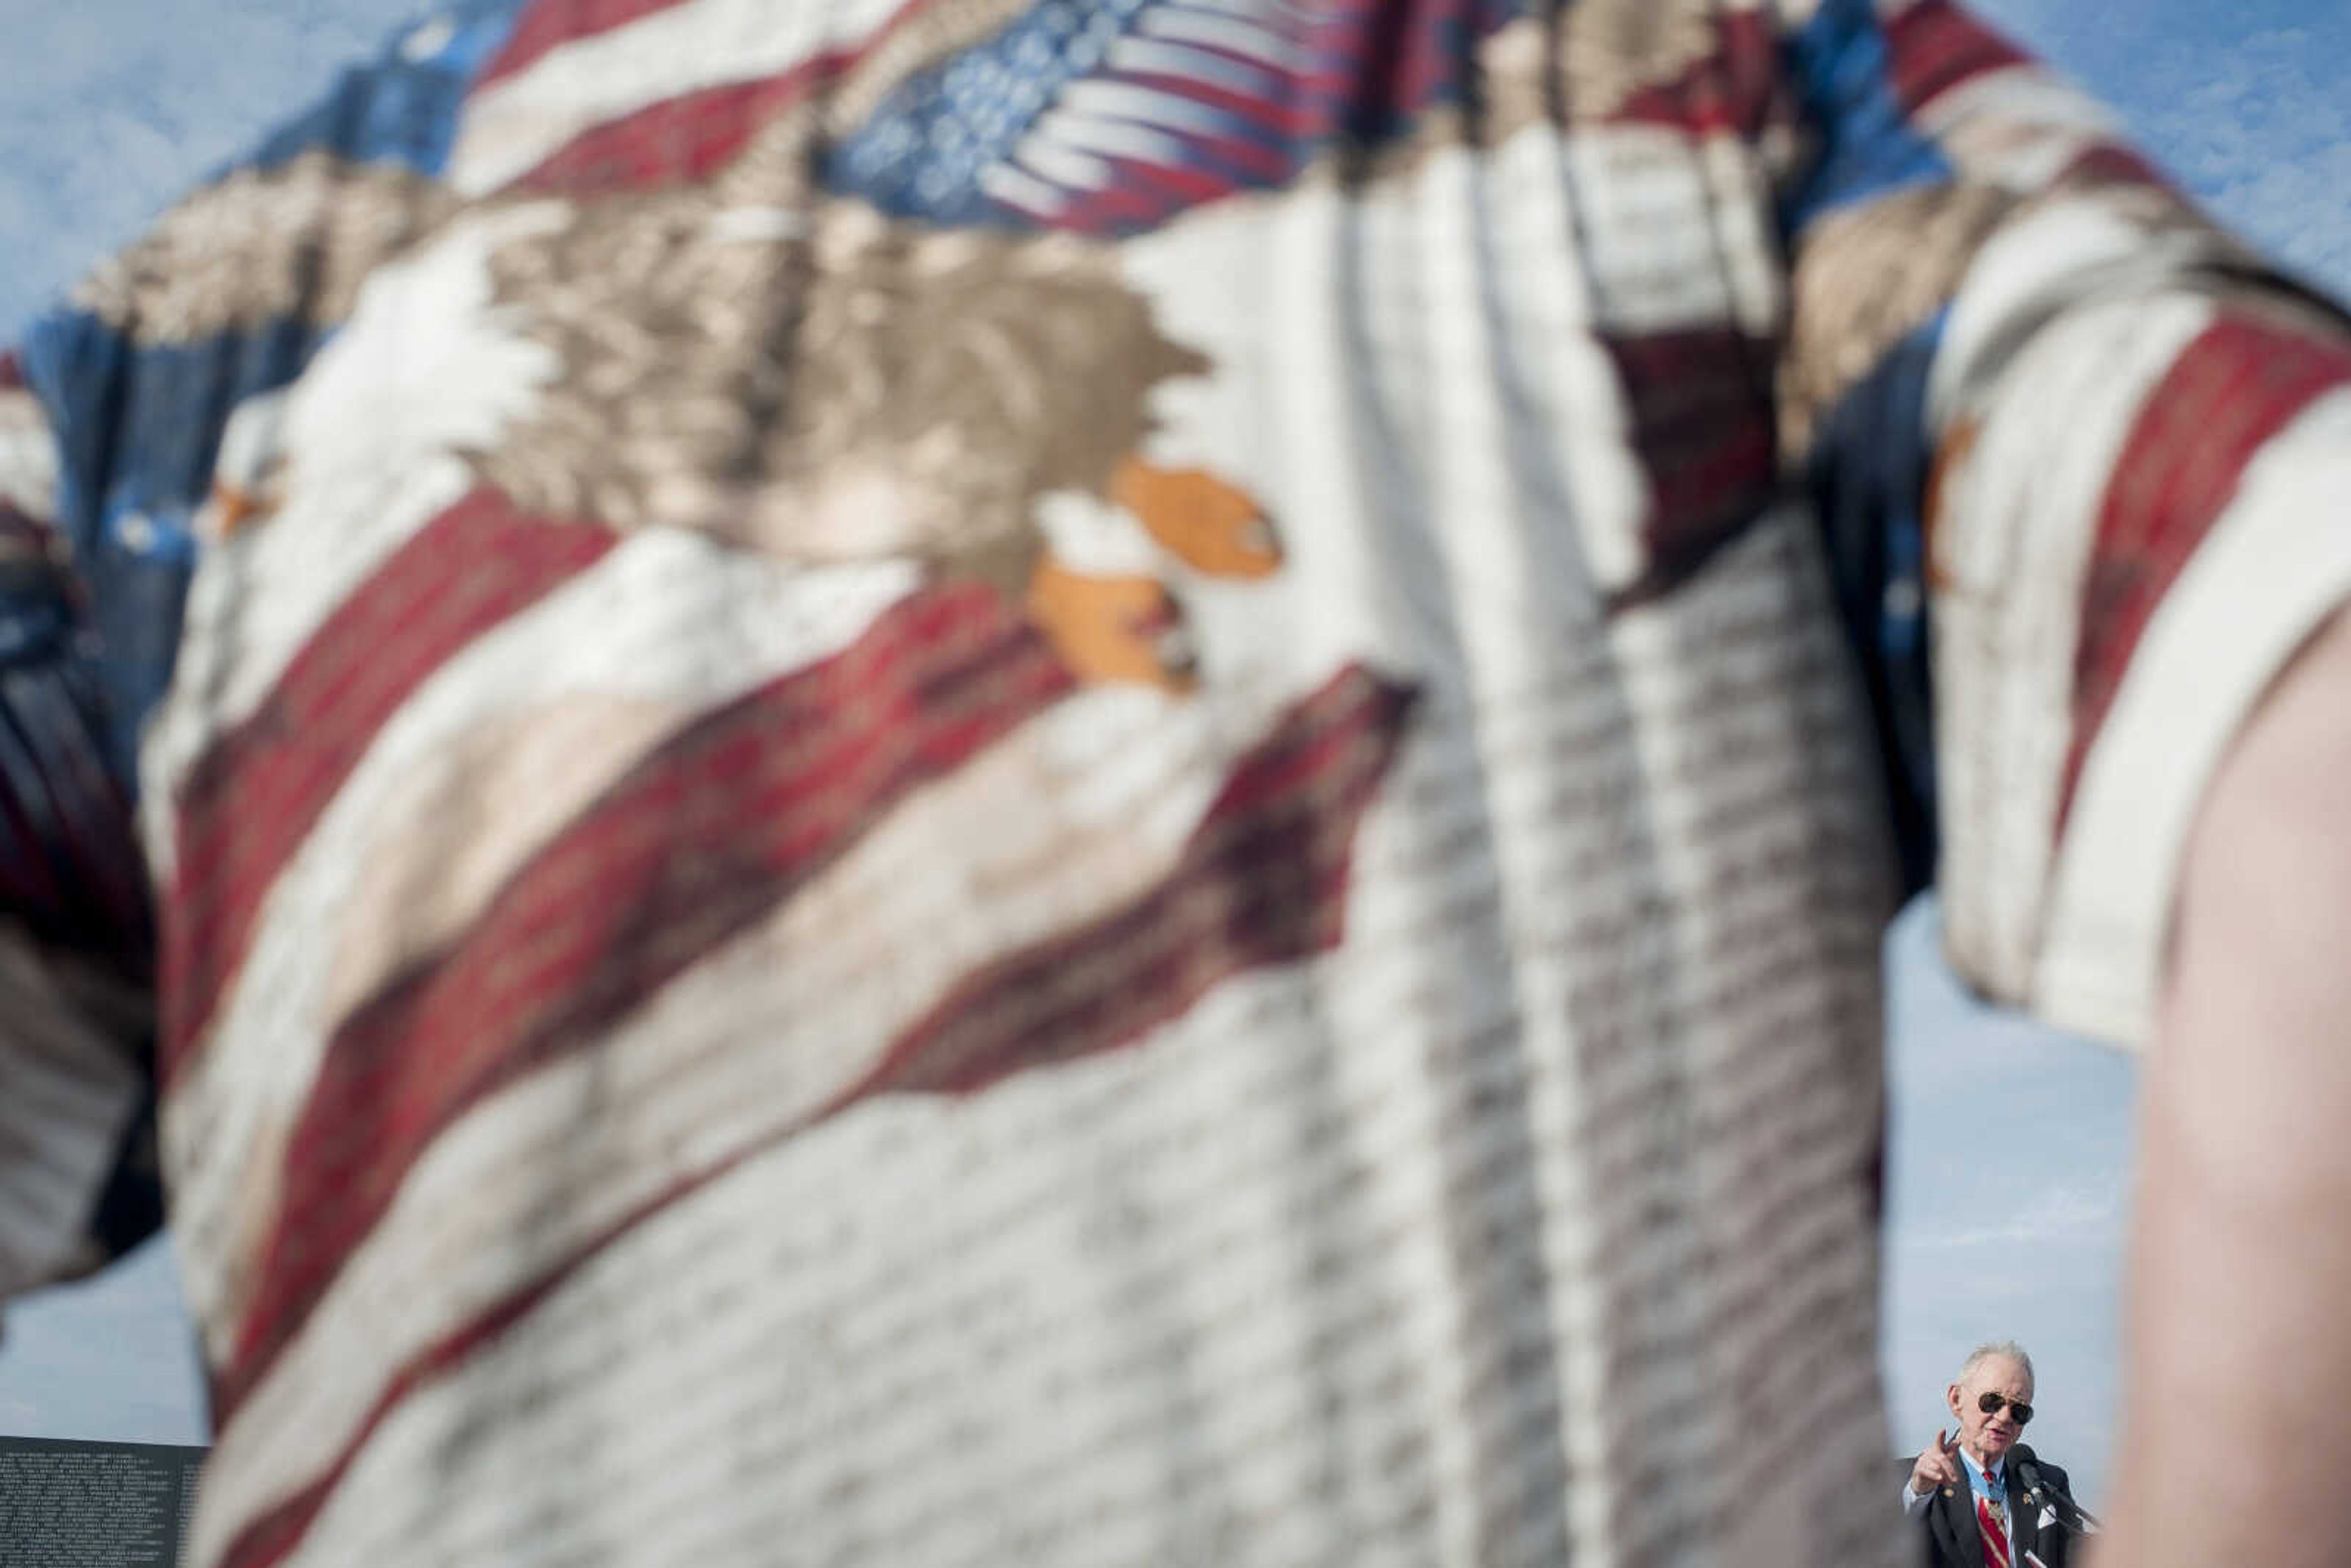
(2237, 1426)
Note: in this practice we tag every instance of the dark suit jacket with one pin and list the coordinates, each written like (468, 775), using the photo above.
(1949, 1535)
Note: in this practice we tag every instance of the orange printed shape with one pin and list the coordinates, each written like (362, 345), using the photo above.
(1214, 527)
(1959, 444)
(234, 508)
(1112, 628)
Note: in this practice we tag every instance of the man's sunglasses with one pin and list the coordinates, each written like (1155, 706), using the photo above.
(1989, 1405)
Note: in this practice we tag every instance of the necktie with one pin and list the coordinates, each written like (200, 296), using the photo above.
(1989, 1520)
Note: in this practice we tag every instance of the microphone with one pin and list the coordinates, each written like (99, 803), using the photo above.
(2037, 1486)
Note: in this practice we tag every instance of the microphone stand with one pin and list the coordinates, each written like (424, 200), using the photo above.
(2037, 1486)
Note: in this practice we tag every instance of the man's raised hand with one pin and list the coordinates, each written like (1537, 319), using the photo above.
(1938, 1467)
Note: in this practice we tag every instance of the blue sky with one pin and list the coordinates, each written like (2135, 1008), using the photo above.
(2007, 1188)
(2011, 1146)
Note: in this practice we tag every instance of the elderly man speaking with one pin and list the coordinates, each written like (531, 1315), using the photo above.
(1984, 1499)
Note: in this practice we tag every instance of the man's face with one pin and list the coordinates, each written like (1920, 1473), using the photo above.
(1988, 1436)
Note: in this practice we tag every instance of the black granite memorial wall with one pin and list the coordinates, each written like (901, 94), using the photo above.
(94, 1505)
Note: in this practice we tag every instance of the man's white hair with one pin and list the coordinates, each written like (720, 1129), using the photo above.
(2002, 1350)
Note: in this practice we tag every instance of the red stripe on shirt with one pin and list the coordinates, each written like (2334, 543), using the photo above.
(251, 799)
(548, 25)
(1736, 89)
(2109, 163)
(1935, 46)
(701, 840)
(1699, 404)
(1279, 118)
(2240, 383)
(276, 1533)
(690, 137)
(1262, 881)
(679, 140)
